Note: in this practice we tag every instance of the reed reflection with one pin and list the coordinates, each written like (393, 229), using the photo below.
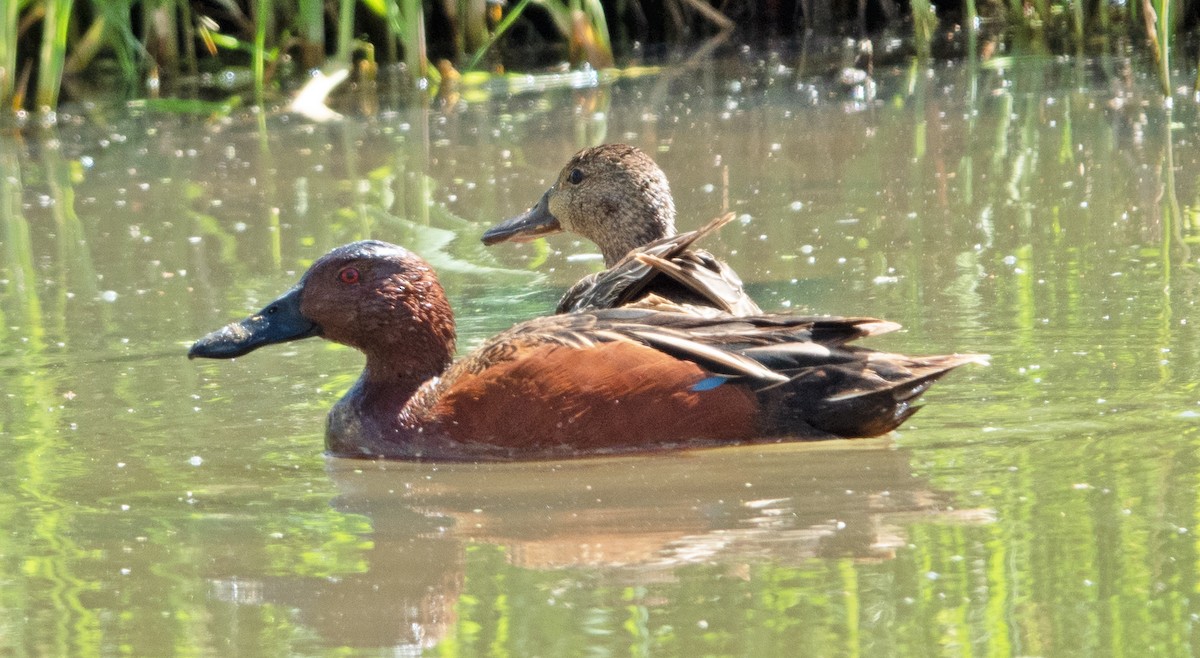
(591, 524)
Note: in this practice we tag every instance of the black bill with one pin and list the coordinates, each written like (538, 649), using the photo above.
(533, 223)
(281, 321)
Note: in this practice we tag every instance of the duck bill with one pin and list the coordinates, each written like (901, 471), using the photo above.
(279, 322)
(533, 223)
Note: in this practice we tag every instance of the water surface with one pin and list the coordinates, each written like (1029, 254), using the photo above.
(1044, 213)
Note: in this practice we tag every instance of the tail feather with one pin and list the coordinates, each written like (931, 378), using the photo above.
(871, 396)
(809, 382)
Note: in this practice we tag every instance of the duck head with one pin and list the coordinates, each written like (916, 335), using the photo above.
(613, 195)
(381, 299)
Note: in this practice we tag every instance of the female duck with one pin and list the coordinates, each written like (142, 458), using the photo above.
(617, 197)
(569, 385)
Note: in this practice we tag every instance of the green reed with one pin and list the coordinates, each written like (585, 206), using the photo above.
(924, 26)
(55, 23)
(501, 28)
(345, 31)
(176, 39)
(110, 28)
(411, 21)
(310, 26)
(261, 17)
(8, 51)
(1160, 36)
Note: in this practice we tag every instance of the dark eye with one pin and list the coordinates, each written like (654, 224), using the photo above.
(575, 177)
(348, 275)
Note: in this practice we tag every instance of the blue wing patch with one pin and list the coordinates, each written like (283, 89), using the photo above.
(709, 383)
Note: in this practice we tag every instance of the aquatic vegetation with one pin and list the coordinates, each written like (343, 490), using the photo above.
(1044, 507)
(175, 47)
(55, 22)
(1158, 17)
(8, 50)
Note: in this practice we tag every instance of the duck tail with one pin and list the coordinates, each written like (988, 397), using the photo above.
(867, 397)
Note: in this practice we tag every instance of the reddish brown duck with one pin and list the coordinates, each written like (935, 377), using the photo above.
(579, 384)
(616, 196)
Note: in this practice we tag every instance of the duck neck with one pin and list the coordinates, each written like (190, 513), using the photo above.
(652, 218)
(616, 246)
(614, 252)
(396, 369)
(365, 422)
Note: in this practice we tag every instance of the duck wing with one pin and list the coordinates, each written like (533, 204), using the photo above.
(799, 376)
(666, 270)
(758, 347)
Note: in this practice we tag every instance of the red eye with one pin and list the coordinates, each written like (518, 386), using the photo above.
(348, 275)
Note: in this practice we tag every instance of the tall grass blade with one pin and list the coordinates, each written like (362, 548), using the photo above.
(53, 53)
(472, 25)
(582, 22)
(310, 24)
(602, 56)
(924, 26)
(8, 51)
(262, 12)
(1156, 15)
(560, 15)
(406, 19)
(119, 37)
(712, 15)
(187, 22)
(972, 41)
(1164, 45)
(392, 14)
(1078, 21)
(415, 54)
(162, 36)
(345, 30)
(1103, 15)
(501, 28)
(86, 47)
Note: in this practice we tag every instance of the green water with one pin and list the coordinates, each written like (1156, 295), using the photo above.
(1044, 506)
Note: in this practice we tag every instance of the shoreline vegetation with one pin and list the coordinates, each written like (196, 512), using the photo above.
(192, 53)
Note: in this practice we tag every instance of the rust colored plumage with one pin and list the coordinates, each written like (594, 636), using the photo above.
(626, 379)
(600, 401)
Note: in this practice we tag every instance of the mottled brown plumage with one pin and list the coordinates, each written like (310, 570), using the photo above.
(626, 379)
(666, 274)
(616, 196)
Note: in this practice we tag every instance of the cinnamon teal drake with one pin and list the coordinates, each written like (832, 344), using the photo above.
(598, 382)
(617, 196)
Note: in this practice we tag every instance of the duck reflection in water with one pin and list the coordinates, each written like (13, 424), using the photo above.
(620, 521)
